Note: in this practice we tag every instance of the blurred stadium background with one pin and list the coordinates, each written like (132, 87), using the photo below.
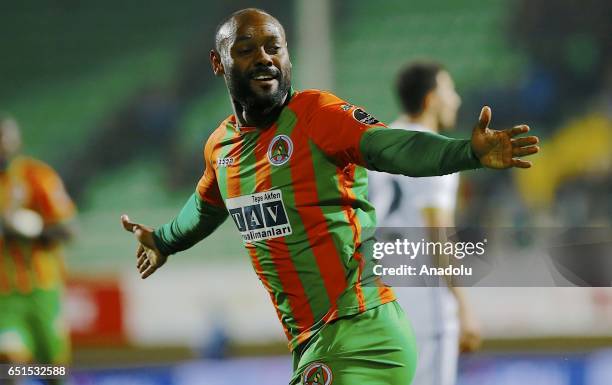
(119, 97)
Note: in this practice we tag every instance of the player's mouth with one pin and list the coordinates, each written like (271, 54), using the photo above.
(265, 78)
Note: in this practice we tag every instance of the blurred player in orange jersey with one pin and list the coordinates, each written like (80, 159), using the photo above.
(35, 216)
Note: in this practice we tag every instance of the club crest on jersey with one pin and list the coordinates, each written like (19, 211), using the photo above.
(363, 117)
(280, 150)
(317, 374)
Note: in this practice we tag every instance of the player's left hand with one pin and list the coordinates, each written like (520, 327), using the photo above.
(469, 331)
(500, 149)
(148, 256)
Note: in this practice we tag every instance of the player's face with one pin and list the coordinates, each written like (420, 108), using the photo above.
(447, 100)
(258, 69)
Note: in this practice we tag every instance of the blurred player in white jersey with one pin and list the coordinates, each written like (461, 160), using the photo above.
(440, 316)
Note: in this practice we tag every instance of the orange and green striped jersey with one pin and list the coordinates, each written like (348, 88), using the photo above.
(297, 193)
(298, 198)
(26, 265)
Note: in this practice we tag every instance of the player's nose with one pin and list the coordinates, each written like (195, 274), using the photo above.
(263, 58)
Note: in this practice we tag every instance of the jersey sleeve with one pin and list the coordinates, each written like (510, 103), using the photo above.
(208, 187)
(49, 197)
(416, 153)
(337, 127)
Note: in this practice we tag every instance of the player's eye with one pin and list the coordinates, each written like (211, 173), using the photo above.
(273, 49)
(244, 50)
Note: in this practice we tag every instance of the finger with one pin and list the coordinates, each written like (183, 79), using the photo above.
(144, 265)
(140, 253)
(485, 118)
(150, 270)
(524, 151)
(519, 163)
(141, 260)
(127, 224)
(517, 130)
(526, 141)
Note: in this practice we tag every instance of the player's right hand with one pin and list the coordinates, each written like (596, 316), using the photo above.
(500, 149)
(148, 257)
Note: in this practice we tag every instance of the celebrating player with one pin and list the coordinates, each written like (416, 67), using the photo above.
(289, 168)
(441, 318)
(35, 214)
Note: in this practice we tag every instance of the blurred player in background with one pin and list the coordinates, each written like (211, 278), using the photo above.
(35, 217)
(440, 316)
(288, 167)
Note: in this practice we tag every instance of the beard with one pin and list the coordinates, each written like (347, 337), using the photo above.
(241, 88)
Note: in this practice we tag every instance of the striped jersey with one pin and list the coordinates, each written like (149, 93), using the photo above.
(26, 265)
(297, 193)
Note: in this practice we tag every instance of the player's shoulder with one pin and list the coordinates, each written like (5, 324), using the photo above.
(32, 170)
(218, 134)
(30, 164)
(317, 105)
(221, 130)
(312, 99)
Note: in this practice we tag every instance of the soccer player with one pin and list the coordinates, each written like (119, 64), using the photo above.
(35, 217)
(441, 318)
(289, 168)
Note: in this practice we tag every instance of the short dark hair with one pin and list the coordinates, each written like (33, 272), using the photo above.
(414, 82)
(219, 39)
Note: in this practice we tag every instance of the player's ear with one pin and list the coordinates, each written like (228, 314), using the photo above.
(216, 63)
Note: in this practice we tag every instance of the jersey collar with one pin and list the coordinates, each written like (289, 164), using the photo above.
(245, 129)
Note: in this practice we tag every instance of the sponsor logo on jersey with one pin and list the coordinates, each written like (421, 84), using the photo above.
(317, 374)
(260, 216)
(224, 162)
(280, 150)
(363, 117)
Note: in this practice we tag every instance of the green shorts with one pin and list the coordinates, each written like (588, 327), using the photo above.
(376, 347)
(31, 327)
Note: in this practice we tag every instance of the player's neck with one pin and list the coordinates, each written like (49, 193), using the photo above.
(426, 120)
(257, 117)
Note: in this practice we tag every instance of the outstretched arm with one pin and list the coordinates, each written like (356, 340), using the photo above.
(425, 154)
(196, 221)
